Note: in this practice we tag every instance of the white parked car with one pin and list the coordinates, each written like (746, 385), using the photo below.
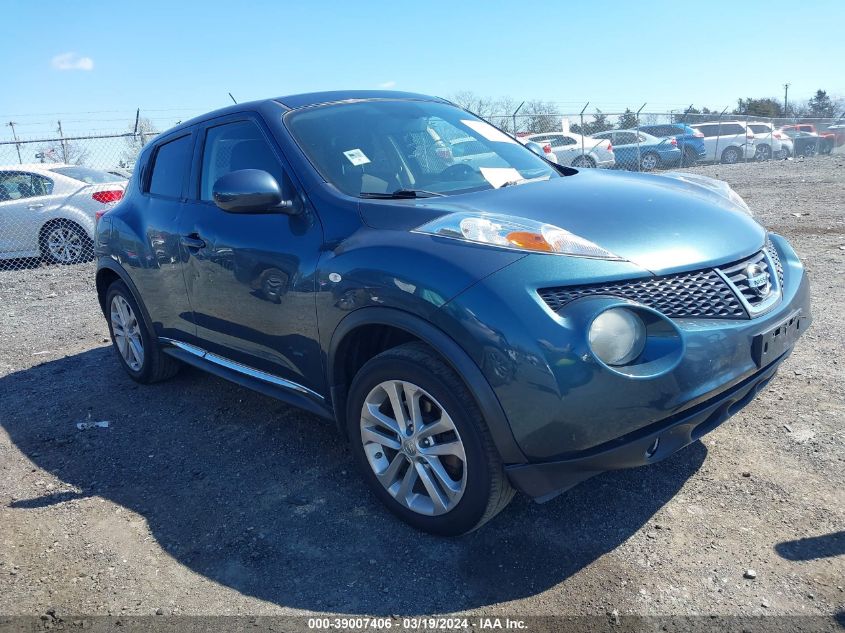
(769, 142)
(50, 210)
(727, 141)
(569, 150)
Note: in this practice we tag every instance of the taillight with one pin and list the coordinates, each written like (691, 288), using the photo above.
(673, 141)
(100, 214)
(107, 196)
(609, 146)
(699, 135)
(547, 148)
(777, 134)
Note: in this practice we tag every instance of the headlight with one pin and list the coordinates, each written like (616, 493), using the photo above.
(515, 233)
(617, 336)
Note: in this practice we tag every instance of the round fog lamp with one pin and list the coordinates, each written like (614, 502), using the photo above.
(617, 336)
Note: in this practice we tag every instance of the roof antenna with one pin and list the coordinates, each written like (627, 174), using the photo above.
(233, 99)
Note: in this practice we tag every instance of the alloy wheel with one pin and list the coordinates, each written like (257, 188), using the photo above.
(413, 447)
(64, 244)
(127, 333)
(649, 162)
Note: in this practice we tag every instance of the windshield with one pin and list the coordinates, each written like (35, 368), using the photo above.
(87, 175)
(381, 147)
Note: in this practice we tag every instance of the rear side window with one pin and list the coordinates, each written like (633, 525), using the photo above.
(709, 130)
(86, 174)
(170, 165)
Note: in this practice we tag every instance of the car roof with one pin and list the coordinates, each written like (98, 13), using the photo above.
(333, 96)
(304, 100)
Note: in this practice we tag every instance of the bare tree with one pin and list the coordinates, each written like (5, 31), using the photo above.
(61, 151)
(134, 144)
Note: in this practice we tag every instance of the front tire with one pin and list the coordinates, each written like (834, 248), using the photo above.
(763, 152)
(731, 156)
(584, 162)
(422, 444)
(137, 348)
(690, 157)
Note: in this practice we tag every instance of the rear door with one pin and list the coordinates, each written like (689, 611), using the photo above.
(251, 276)
(153, 261)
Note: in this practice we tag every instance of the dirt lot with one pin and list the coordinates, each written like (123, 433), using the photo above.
(202, 497)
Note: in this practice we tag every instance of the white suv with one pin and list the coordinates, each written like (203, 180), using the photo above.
(770, 142)
(727, 141)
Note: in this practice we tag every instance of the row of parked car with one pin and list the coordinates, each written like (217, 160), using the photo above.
(667, 145)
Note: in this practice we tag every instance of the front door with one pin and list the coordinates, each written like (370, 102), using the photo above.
(251, 276)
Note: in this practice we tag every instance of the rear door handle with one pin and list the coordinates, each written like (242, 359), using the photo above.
(192, 241)
(35, 206)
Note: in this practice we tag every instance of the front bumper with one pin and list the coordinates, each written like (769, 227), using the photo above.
(571, 415)
(546, 480)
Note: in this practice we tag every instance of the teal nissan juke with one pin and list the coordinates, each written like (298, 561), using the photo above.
(474, 319)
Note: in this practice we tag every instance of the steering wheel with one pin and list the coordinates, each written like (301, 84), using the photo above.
(456, 171)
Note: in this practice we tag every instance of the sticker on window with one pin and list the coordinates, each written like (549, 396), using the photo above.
(497, 176)
(488, 131)
(356, 157)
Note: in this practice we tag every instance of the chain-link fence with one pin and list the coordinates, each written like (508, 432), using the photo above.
(645, 141)
(54, 188)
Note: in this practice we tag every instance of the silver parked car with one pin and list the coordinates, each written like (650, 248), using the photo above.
(576, 150)
(50, 210)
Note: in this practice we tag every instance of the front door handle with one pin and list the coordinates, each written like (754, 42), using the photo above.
(35, 206)
(193, 241)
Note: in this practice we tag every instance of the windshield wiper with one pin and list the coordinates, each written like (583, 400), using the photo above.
(401, 193)
(522, 181)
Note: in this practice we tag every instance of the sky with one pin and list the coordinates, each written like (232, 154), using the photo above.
(92, 63)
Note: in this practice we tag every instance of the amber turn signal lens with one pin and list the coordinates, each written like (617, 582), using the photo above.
(529, 241)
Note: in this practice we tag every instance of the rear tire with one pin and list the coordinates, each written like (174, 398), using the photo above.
(65, 242)
(649, 161)
(137, 347)
(399, 454)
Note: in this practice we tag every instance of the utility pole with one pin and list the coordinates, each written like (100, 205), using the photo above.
(11, 124)
(785, 95)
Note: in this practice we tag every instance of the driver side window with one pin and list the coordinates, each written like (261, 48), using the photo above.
(240, 145)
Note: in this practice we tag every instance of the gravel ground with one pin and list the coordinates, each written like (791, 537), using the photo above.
(205, 498)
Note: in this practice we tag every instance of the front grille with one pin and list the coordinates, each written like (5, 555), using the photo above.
(703, 294)
(773, 255)
(737, 275)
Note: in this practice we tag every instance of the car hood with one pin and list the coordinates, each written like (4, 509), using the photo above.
(663, 224)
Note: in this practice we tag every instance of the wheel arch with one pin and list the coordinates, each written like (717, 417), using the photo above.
(411, 327)
(109, 271)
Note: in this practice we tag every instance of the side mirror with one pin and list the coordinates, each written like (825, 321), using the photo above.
(251, 191)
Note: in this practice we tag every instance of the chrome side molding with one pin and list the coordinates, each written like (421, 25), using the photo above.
(246, 370)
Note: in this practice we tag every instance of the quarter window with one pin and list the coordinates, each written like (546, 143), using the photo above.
(170, 165)
(234, 146)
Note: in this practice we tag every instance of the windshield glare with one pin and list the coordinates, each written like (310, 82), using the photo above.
(380, 147)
